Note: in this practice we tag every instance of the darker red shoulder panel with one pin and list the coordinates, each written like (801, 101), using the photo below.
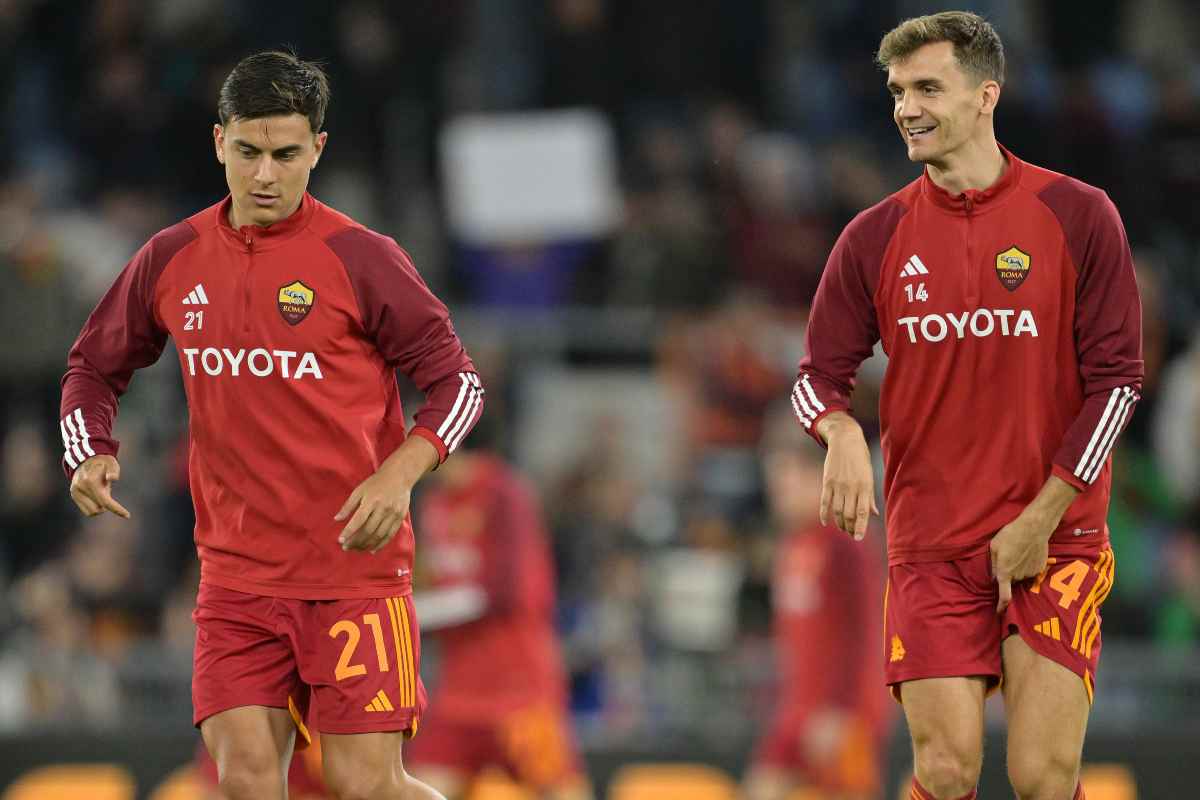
(411, 329)
(1089, 221)
(871, 232)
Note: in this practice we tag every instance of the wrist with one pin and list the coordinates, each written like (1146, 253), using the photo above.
(410, 461)
(838, 425)
(1051, 503)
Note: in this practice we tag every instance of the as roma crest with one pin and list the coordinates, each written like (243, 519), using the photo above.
(1012, 266)
(295, 301)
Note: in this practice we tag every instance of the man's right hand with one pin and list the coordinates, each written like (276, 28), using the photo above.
(91, 486)
(848, 485)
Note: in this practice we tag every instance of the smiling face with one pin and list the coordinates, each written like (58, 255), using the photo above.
(938, 106)
(267, 164)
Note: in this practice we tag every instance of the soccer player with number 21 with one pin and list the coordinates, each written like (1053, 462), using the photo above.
(290, 320)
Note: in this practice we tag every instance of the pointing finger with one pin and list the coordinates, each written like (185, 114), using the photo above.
(107, 501)
(1005, 594)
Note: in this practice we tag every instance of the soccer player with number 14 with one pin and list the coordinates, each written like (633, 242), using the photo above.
(1004, 296)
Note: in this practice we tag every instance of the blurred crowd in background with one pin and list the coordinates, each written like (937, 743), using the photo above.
(630, 372)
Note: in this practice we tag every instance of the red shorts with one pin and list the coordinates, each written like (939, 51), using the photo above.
(534, 746)
(940, 617)
(855, 768)
(354, 663)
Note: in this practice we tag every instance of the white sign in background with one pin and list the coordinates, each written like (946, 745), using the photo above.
(536, 176)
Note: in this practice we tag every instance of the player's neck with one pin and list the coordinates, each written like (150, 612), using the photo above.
(237, 223)
(974, 166)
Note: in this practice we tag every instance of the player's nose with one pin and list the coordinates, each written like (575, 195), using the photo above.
(265, 174)
(907, 107)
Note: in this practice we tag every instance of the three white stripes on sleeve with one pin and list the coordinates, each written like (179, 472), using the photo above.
(76, 438)
(466, 409)
(805, 402)
(1120, 403)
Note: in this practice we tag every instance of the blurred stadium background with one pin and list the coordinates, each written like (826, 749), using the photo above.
(627, 205)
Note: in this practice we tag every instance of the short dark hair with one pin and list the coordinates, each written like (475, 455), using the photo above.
(977, 46)
(274, 83)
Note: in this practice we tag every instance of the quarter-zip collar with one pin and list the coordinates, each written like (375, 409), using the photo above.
(259, 238)
(976, 201)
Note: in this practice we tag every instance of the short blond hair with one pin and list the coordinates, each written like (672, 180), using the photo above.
(977, 46)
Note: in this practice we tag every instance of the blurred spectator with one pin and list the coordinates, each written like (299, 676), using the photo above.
(52, 671)
(779, 225)
(32, 515)
(723, 372)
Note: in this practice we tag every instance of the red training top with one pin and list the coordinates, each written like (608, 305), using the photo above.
(827, 596)
(288, 338)
(1012, 326)
(489, 534)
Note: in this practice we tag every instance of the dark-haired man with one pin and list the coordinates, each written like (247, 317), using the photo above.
(1004, 296)
(290, 320)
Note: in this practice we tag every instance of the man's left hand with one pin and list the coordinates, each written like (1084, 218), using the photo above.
(379, 505)
(1018, 552)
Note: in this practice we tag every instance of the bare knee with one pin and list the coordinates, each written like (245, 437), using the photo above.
(1042, 774)
(378, 784)
(946, 769)
(250, 777)
(363, 784)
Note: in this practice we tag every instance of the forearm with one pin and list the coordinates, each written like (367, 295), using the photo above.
(411, 460)
(1051, 503)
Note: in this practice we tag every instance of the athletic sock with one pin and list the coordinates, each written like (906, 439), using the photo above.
(919, 792)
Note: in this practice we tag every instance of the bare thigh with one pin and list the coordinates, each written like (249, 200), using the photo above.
(1047, 709)
(371, 765)
(253, 739)
(945, 720)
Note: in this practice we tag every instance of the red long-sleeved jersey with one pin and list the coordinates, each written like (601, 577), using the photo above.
(489, 534)
(827, 598)
(1012, 325)
(288, 338)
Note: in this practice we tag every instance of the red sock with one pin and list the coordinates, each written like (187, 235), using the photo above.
(919, 792)
(1079, 795)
